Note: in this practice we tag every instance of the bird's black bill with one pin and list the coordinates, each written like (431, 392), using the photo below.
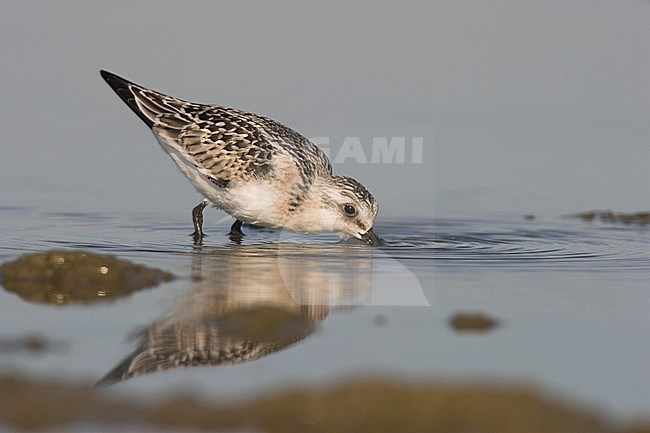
(370, 238)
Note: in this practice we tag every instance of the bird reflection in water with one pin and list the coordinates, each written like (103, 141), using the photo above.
(247, 302)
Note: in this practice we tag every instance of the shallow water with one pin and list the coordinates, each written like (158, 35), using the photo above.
(572, 301)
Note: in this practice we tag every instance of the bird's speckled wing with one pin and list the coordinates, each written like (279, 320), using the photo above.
(160, 352)
(229, 144)
(195, 342)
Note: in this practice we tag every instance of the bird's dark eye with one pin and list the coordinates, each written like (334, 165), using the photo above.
(349, 210)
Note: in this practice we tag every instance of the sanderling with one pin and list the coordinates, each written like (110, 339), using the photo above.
(256, 169)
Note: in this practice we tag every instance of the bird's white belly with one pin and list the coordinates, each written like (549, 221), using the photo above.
(252, 201)
(255, 202)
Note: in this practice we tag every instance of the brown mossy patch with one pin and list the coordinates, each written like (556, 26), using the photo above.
(608, 216)
(472, 322)
(354, 406)
(68, 276)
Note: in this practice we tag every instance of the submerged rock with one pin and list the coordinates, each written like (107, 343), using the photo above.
(33, 344)
(68, 276)
(472, 322)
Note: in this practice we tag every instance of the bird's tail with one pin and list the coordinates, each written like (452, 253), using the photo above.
(152, 107)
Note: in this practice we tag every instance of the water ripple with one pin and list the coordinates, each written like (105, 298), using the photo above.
(506, 243)
(437, 242)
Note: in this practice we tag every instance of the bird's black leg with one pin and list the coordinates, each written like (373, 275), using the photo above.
(235, 231)
(197, 219)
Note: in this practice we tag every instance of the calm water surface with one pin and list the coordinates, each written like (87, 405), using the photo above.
(572, 298)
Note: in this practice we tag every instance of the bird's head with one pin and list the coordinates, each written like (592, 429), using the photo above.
(347, 207)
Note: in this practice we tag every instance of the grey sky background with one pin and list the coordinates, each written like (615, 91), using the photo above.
(533, 107)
